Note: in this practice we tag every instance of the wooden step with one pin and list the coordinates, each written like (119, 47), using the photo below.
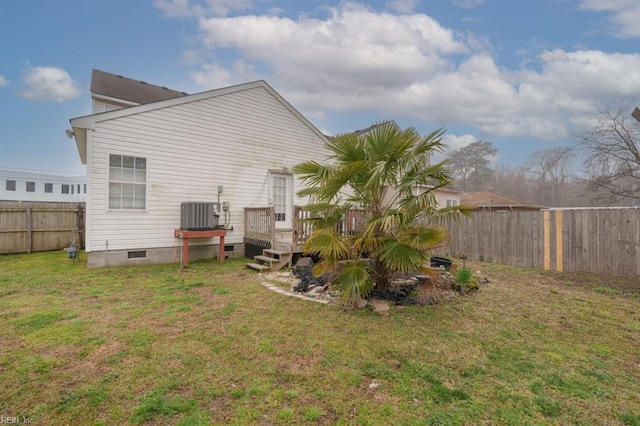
(266, 259)
(276, 252)
(257, 267)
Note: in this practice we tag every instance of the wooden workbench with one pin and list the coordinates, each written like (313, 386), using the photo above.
(186, 235)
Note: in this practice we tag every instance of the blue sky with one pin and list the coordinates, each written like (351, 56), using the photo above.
(522, 74)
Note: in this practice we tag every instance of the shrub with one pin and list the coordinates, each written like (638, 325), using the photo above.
(463, 276)
(464, 282)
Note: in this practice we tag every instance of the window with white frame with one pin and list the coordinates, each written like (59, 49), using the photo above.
(127, 182)
(31, 187)
(451, 203)
(48, 188)
(64, 188)
(11, 185)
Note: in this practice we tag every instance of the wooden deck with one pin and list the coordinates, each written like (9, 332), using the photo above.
(260, 228)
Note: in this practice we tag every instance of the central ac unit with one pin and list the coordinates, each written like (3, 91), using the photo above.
(198, 216)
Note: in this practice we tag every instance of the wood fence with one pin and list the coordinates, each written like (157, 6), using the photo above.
(27, 227)
(602, 241)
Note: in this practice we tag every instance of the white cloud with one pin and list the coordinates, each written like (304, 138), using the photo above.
(186, 8)
(49, 84)
(468, 4)
(354, 48)
(174, 8)
(213, 76)
(408, 65)
(454, 143)
(403, 6)
(624, 15)
(3, 81)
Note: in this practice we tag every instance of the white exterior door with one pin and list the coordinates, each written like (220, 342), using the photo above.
(281, 198)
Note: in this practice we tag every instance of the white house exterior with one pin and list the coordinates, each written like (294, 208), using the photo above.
(41, 187)
(144, 160)
(447, 197)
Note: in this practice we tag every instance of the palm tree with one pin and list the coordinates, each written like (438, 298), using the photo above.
(385, 172)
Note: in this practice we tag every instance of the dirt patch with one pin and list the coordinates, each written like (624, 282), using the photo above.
(104, 351)
(600, 283)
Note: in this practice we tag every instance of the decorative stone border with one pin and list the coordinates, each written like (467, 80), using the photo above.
(284, 292)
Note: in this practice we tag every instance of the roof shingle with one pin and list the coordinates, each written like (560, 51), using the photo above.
(127, 89)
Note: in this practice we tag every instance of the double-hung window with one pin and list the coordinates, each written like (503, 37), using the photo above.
(127, 182)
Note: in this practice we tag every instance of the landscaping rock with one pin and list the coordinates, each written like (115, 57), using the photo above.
(361, 303)
(304, 272)
(380, 306)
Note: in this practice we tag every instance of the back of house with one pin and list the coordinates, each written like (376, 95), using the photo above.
(149, 149)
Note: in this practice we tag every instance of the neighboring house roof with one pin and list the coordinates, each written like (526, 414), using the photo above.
(374, 126)
(122, 88)
(449, 191)
(489, 201)
(80, 125)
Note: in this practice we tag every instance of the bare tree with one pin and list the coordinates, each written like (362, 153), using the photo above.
(612, 154)
(550, 170)
(512, 182)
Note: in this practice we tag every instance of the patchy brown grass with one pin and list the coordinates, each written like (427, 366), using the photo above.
(157, 345)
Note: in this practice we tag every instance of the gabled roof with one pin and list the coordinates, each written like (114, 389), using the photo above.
(491, 201)
(80, 125)
(118, 87)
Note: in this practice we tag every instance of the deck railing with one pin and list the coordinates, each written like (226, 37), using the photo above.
(259, 224)
(352, 222)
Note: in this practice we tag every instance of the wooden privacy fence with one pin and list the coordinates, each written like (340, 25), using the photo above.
(27, 227)
(602, 241)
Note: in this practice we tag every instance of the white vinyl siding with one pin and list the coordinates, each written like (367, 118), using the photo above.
(127, 182)
(233, 140)
(102, 106)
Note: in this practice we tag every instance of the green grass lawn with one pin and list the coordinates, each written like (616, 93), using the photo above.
(157, 345)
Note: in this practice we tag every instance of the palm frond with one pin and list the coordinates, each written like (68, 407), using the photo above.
(423, 238)
(346, 147)
(327, 244)
(446, 216)
(401, 257)
(353, 281)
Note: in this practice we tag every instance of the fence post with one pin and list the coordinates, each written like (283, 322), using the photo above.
(546, 238)
(29, 236)
(79, 222)
(559, 251)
